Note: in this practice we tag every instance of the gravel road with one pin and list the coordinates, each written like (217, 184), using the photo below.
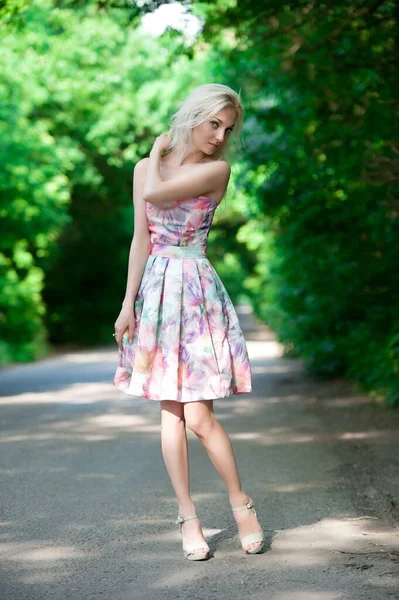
(87, 508)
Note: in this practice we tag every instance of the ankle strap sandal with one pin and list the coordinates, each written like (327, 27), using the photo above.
(252, 538)
(189, 549)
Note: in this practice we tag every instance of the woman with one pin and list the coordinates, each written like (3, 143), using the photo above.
(179, 339)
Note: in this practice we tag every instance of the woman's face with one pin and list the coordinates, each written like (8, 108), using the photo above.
(214, 132)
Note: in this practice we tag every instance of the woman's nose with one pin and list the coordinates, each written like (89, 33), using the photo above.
(220, 136)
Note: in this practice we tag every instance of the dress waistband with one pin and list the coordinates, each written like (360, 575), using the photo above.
(178, 251)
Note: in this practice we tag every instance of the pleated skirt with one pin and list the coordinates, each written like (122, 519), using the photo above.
(188, 344)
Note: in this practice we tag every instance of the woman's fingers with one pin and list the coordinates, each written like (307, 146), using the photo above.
(163, 141)
(130, 330)
(129, 333)
(124, 327)
(118, 339)
(118, 335)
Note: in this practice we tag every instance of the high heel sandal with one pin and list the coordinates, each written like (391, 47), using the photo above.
(189, 549)
(246, 540)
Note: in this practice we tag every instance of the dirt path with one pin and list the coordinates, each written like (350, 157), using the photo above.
(87, 509)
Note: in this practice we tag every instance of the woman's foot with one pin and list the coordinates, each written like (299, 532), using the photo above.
(246, 521)
(191, 531)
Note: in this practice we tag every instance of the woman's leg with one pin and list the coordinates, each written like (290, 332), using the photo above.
(201, 420)
(175, 454)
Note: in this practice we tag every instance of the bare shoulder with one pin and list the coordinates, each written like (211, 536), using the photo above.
(219, 166)
(219, 174)
(141, 166)
(219, 170)
(139, 173)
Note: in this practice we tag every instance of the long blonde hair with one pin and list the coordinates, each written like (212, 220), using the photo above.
(203, 102)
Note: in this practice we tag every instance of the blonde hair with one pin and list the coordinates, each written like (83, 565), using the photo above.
(203, 102)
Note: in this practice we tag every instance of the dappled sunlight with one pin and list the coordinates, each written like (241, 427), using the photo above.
(90, 355)
(308, 595)
(83, 419)
(249, 435)
(38, 561)
(123, 421)
(268, 438)
(319, 544)
(264, 349)
(340, 401)
(175, 579)
(45, 437)
(265, 369)
(76, 393)
(299, 487)
(89, 427)
(38, 437)
(197, 497)
(360, 435)
(77, 527)
(390, 585)
(172, 535)
(304, 547)
(320, 541)
(110, 421)
(26, 470)
(144, 520)
(209, 531)
(288, 399)
(106, 356)
(249, 404)
(42, 577)
(35, 552)
(95, 475)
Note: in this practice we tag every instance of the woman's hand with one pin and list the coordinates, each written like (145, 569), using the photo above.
(161, 143)
(124, 323)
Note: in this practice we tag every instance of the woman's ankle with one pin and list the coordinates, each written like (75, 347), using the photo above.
(186, 508)
(238, 498)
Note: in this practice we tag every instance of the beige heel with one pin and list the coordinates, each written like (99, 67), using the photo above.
(189, 549)
(253, 537)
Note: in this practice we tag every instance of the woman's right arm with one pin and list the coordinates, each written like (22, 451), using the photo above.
(139, 251)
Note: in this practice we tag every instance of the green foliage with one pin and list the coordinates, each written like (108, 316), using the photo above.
(309, 229)
(319, 87)
(83, 96)
(34, 193)
(12, 13)
(230, 255)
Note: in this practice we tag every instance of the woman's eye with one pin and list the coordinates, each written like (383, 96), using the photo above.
(214, 123)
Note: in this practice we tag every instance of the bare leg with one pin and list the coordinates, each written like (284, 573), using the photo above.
(175, 454)
(201, 420)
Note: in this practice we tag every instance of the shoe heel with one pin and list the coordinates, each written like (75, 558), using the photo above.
(189, 550)
(252, 538)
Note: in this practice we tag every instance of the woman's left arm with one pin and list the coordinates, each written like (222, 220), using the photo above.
(208, 178)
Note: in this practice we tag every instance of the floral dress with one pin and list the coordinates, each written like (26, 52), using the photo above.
(188, 344)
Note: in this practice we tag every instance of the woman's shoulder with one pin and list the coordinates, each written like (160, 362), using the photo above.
(218, 164)
(142, 163)
(220, 169)
(216, 169)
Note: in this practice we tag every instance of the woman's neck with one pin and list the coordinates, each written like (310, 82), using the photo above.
(193, 158)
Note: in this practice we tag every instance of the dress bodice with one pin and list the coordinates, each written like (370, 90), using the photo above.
(186, 224)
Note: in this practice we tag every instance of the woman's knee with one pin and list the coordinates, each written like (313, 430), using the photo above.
(199, 418)
(172, 415)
